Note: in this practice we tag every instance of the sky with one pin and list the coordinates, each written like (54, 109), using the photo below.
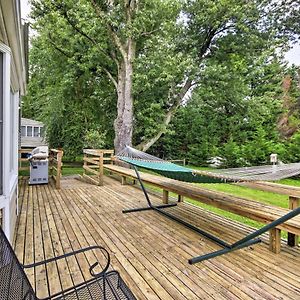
(292, 56)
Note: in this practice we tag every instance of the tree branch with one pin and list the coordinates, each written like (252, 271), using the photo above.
(147, 33)
(58, 48)
(111, 78)
(112, 33)
(65, 13)
(208, 39)
(92, 40)
(145, 145)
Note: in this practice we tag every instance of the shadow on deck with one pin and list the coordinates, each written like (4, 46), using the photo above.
(149, 251)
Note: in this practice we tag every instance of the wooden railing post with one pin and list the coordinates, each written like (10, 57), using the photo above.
(55, 163)
(58, 172)
(293, 239)
(275, 240)
(101, 169)
(84, 164)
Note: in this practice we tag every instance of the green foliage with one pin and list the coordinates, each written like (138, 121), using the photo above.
(234, 115)
(94, 139)
(229, 51)
(293, 148)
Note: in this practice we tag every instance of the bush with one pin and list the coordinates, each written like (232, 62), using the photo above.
(94, 139)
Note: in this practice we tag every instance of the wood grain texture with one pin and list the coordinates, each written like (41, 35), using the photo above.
(149, 250)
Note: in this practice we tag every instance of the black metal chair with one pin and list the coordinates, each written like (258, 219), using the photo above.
(14, 284)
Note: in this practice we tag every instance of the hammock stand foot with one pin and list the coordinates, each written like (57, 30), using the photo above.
(226, 250)
(126, 211)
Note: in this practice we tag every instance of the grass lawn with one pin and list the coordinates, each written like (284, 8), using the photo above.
(290, 181)
(67, 169)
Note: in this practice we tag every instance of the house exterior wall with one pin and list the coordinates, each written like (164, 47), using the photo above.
(32, 141)
(13, 83)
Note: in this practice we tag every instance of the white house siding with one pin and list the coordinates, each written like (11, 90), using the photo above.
(13, 75)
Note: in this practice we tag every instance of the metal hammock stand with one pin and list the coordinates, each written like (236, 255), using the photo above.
(14, 284)
(249, 240)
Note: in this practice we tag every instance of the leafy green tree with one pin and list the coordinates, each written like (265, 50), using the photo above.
(112, 33)
(210, 34)
(155, 54)
(234, 115)
(68, 97)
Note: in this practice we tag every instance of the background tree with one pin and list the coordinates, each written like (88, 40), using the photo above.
(155, 56)
(112, 32)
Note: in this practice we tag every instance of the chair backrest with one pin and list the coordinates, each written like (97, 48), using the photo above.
(14, 284)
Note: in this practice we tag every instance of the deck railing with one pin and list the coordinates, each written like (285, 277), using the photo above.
(23, 160)
(55, 165)
(93, 160)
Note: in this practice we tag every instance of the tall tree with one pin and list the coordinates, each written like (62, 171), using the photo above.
(157, 50)
(116, 31)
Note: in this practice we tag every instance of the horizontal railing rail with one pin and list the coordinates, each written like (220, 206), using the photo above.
(93, 161)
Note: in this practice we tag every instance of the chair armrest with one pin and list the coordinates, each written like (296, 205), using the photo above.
(44, 262)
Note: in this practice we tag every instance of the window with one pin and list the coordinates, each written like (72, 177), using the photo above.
(1, 122)
(42, 132)
(29, 130)
(23, 130)
(36, 131)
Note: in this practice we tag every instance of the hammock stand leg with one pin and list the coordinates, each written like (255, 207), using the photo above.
(150, 206)
(170, 216)
(249, 239)
(226, 247)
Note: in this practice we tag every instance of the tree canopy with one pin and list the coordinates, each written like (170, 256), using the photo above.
(197, 75)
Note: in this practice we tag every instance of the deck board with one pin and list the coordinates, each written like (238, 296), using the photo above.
(149, 250)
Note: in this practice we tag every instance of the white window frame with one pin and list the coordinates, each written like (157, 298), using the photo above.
(6, 119)
(10, 175)
(13, 149)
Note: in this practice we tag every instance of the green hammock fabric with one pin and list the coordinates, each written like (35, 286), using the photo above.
(171, 170)
(168, 169)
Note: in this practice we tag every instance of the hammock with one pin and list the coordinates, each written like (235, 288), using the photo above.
(171, 170)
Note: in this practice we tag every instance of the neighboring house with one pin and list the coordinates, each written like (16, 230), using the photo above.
(12, 87)
(32, 133)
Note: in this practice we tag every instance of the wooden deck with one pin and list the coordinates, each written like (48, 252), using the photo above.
(149, 250)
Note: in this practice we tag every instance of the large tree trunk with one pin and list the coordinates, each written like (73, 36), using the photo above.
(123, 57)
(123, 124)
